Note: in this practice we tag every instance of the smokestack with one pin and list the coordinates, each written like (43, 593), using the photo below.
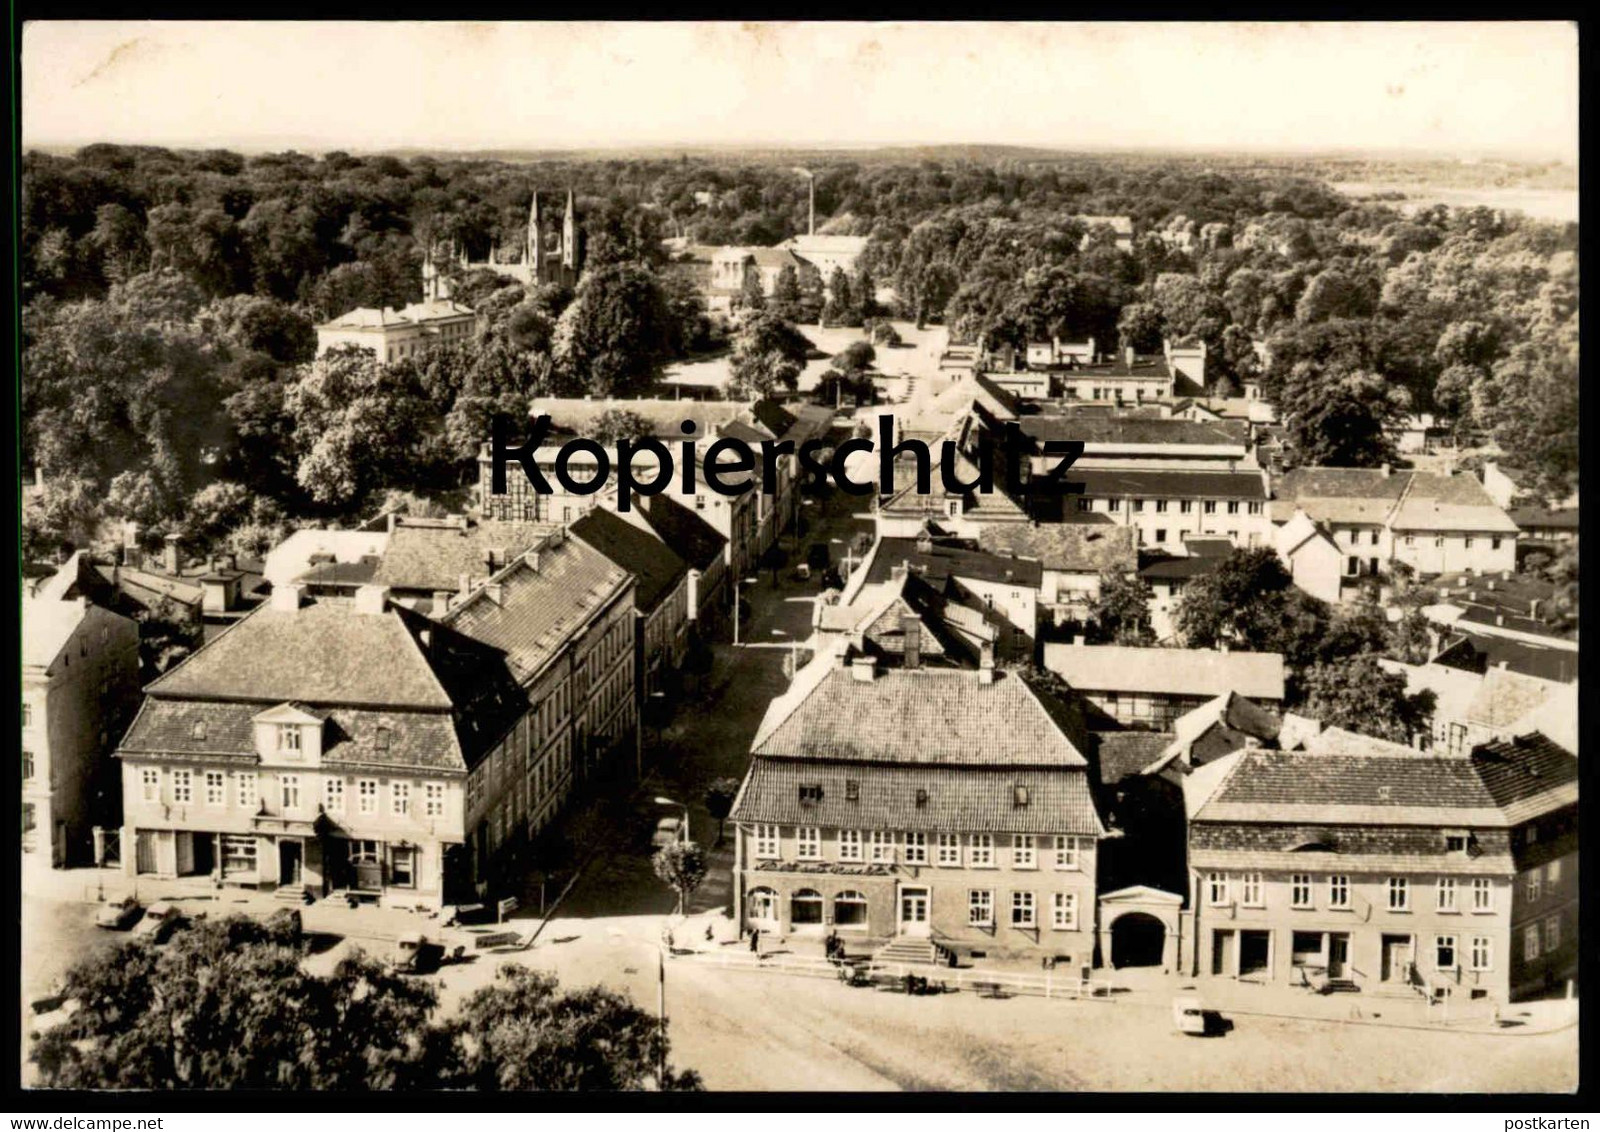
(986, 663)
(286, 599)
(911, 632)
(864, 669)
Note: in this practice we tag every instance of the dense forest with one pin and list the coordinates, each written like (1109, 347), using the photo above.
(169, 299)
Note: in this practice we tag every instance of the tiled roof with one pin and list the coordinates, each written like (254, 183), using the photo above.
(1092, 429)
(1067, 547)
(1172, 672)
(1504, 697)
(576, 416)
(1123, 754)
(543, 598)
(1449, 503)
(1181, 569)
(965, 799)
(1516, 770)
(1098, 482)
(1404, 500)
(47, 625)
(657, 569)
(324, 652)
(1544, 518)
(433, 554)
(1477, 652)
(342, 573)
(693, 539)
(927, 717)
(944, 559)
(414, 740)
(1253, 859)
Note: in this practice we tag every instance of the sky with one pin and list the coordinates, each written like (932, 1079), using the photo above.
(1467, 88)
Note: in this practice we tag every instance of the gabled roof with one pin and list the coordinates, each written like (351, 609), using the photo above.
(1125, 754)
(1403, 500)
(942, 559)
(47, 626)
(1240, 719)
(432, 555)
(541, 600)
(1545, 518)
(689, 536)
(657, 569)
(1477, 652)
(1173, 672)
(920, 717)
(1134, 430)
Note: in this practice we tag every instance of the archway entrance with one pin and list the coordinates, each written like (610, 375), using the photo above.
(1137, 940)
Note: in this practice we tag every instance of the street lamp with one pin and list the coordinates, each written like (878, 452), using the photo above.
(661, 1000)
(737, 582)
(794, 652)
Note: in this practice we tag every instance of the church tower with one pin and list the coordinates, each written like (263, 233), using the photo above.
(569, 242)
(533, 252)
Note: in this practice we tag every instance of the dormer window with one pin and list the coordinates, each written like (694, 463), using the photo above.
(289, 740)
(198, 731)
(1019, 795)
(1383, 793)
(1455, 842)
(381, 739)
(810, 793)
(852, 790)
(922, 799)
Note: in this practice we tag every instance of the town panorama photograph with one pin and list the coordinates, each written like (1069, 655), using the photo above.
(805, 557)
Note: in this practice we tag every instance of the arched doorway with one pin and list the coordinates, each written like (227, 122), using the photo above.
(1138, 939)
(763, 905)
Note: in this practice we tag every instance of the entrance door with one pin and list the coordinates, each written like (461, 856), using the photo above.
(144, 851)
(1338, 954)
(1396, 958)
(289, 862)
(1222, 951)
(914, 911)
(1255, 953)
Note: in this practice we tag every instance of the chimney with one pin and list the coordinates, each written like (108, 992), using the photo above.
(497, 593)
(171, 558)
(497, 557)
(372, 599)
(286, 598)
(464, 584)
(230, 561)
(924, 543)
(986, 663)
(900, 571)
(441, 601)
(911, 634)
(864, 669)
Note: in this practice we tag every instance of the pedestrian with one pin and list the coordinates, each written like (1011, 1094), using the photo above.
(710, 933)
(755, 941)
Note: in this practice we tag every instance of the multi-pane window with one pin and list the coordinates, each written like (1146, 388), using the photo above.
(1250, 889)
(766, 841)
(1022, 852)
(808, 843)
(1534, 888)
(1064, 912)
(1233, 506)
(1444, 952)
(289, 786)
(216, 789)
(1022, 913)
(400, 798)
(850, 847)
(150, 784)
(980, 852)
(1066, 852)
(1185, 506)
(1399, 894)
(1445, 894)
(289, 739)
(1530, 943)
(27, 714)
(247, 789)
(182, 786)
(27, 764)
(1209, 507)
(1161, 507)
(980, 907)
(1300, 890)
(949, 849)
(367, 795)
(1482, 953)
(916, 848)
(1338, 892)
(1552, 933)
(1216, 888)
(433, 799)
(1482, 894)
(333, 794)
(882, 846)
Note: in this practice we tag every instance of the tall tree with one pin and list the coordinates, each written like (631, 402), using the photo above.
(1355, 693)
(1120, 613)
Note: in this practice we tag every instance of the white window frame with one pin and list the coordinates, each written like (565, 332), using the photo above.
(1252, 893)
(948, 849)
(1398, 887)
(1533, 886)
(289, 791)
(1064, 912)
(150, 784)
(1067, 853)
(333, 794)
(366, 799)
(1552, 870)
(182, 787)
(881, 846)
(851, 847)
(767, 842)
(1531, 939)
(980, 851)
(1440, 942)
(1300, 890)
(1218, 889)
(289, 743)
(1445, 895)
(216, 788)
(247, 789)
(1482, 895)
(808, 843)
(916, 847)
(1024, 909)
(1338, 890)
(1552, 933)
(1024, 851)
(433, 799)
(1482, 953)
(980, 907)
(400, 799)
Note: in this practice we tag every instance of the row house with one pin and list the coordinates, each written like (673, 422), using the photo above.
(1472, 708)
(749, 521)
(1150, 688)
(661, 593)
(1433, 524)
(80, 680)
(702, 549)
(1073, 558)
(948, 809)
(1374, 867)
(1167, 509)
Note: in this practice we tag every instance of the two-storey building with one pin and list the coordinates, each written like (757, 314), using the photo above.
(1150, 688)
(1365, 865)
(943, 806)
(661, 593)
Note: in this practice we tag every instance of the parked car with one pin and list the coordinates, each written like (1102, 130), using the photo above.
(1188, 1015)
(669, 831)
(415, 955)
(160, 921)
(119, 916)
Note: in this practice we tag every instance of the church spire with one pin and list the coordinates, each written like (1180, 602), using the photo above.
(533, 254)
(569, 237)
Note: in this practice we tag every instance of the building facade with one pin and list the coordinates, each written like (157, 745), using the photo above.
(393, 335)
